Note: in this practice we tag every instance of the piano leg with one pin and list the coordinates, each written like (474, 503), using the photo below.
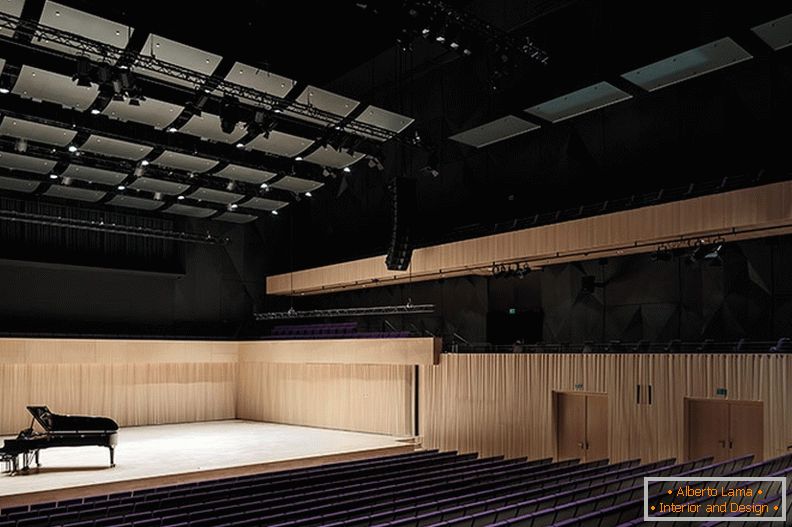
(38, 464)
(112, 456)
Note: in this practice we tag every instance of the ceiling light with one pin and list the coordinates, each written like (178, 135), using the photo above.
(264, 186)
(347, 170)
(72, 149)
(53, 176)
(145, 163)
(180, 198)
(4, 90)
(274, 212)
(454, 45)
(121, 187)
(240, 145)
(172, 129)
(425, 31)
(466, 51)
(298, 158)
(233, 206)
(308, 194)
(440, 38)
(95, 111)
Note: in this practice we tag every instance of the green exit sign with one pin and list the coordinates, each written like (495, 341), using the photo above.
(512, 311)
(721, 392)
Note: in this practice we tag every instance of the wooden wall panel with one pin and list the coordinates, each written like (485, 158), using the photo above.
(407, 351)
(741, 214)
(502, 404)
(366, 398)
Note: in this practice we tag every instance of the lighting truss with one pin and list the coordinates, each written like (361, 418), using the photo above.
(110, 228)
(85, 46)
(407, 309)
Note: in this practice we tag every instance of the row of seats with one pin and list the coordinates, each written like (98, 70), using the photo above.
(330, 331)
(417, 489)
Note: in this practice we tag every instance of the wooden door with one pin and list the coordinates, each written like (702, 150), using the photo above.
(570, 425)
(596, 427)
(708, 429)
(746, 429)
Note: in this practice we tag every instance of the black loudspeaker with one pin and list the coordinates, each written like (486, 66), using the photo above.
(404, 203)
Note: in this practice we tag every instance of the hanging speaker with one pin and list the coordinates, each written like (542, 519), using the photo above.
(404, 203)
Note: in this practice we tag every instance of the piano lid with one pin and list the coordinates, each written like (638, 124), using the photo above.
(70, 423)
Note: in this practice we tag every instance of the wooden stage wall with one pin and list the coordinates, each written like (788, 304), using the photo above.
(502, 404)
(135, 382)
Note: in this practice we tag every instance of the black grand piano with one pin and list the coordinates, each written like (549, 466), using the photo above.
(58, 431)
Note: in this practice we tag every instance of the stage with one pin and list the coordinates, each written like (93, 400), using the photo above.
(169, 454)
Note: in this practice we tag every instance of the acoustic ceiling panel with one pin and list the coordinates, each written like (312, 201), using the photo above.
(207, 126)
(280, 144)
(215, 196)
(41, 133)
(295, 184)
(380, 118)
(189, 210)
(148, 184)
(79, 194)
(184, 162)
(94, 175)
(494, 131)
(688, 65)
(26, 163)
(263, 204)
(13, 8)
(151, 112)
(235, 217)
(579, 102)
(179, 54)
(115, 148)
(325, 101)
(259, 80)
(81, 23)
(18, 185)
(245, 174)
(777, 33)
(43, 85)
(329, 156)
(132, 202)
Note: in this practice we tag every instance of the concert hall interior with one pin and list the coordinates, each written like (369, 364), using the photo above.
(395, 262)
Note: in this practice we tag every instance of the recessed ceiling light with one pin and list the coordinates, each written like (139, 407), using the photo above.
(172, 129)
(240, 145)
(298, 158)
(274, 212)
(308, 194)
(72, 148)
(347, 170)
(95, 111)
(121, 187)
(145, 162)
(4, 90)
(53, 176)
(180, 198)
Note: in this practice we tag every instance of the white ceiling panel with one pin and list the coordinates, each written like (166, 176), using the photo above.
(235, 217)
(79, 194)
(263, 204)
(151, 112)
(189, 210)
(325, 101)
(207, 126)
(280, 144)
(13, 8)
(777, 33)
(179, 54)
(148, 184)
(94, 175)
(295, 184)
(18, 185)
(83, 24)
(245, 174)
(26, 163)
(688, 65)
(380, 118)
(115, 148)
(579, 102)
(43, 85)
(41, 133)
(215, 196)
(184, 162)
(494, 131)
(330, 157)
(132, 202)
(259, 80)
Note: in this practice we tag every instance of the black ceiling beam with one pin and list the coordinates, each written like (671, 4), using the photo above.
(55, 115)
(63, 158)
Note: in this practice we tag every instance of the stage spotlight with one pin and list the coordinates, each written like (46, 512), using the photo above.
(229, 114)
(325, 172)
(308, 194)
(231, 186)
(145, 162)
(134, 101)
(4, 90)
(121, 187)
(72, 149)
(233, 206)
(240, 145)
(53, 176)
(298, 158)
(264, 186)
(347, 170)
(172, 129)
(274, 212)
(180, 197)
(95, 111)
(83, 73)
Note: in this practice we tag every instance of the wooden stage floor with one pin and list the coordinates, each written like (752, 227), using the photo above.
(171, 454)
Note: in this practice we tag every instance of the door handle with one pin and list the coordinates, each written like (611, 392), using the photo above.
(587, 445)
(731, 444)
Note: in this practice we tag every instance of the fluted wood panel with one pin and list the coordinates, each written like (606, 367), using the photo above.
(502, 404)
(366, 398)
(740, 214)
(138, 382)
(407, 351)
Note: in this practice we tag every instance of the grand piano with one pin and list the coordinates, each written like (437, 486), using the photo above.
(58, 431)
